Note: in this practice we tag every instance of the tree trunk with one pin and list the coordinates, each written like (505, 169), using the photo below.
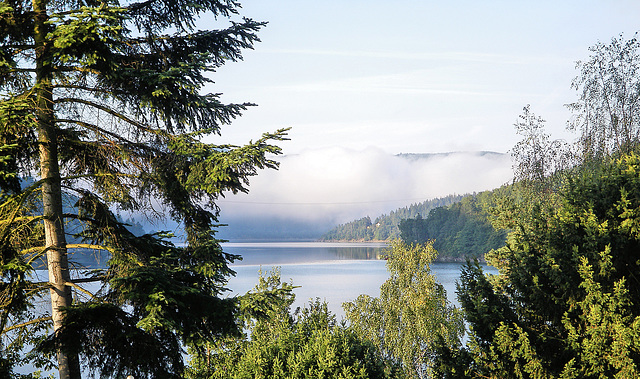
(57, 263)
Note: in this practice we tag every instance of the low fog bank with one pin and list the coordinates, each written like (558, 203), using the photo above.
(318, 189)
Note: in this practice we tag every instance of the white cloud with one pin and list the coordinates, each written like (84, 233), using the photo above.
(338, 184)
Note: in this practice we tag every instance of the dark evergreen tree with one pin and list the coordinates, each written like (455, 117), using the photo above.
(102, 102)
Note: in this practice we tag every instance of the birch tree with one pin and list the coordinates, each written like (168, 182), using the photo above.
(607, 112)
(411, 316)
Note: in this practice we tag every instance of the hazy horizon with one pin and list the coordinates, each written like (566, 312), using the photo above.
(322, 188)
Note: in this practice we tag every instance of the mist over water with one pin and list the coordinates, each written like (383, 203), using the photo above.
(318, 189)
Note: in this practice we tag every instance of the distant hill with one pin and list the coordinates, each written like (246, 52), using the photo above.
(420, 156)
(315, 191)
(385, 227)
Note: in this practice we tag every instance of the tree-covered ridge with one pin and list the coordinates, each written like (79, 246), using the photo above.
(460, 231)
(385, 227)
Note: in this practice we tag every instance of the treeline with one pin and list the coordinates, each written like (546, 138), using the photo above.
(458, 225)
(385, 227)
(459, 231)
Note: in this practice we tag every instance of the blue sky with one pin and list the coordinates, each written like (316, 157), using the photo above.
(414, 76)
(359, 81)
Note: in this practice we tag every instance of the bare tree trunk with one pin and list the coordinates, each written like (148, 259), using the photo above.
(57, 263)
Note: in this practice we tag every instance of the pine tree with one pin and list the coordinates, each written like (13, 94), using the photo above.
(102, 104)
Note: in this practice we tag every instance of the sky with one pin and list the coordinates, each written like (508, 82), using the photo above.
(358, 80)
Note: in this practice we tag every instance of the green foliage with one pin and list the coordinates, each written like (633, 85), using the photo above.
(607, 334)
(102, 104)
(412, 315)
(307, 343)
(458, 231)
(564, 303)
(385, 227)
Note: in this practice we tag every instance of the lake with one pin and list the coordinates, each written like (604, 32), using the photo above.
(334, 272)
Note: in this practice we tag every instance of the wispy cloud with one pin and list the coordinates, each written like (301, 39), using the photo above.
(446, 56)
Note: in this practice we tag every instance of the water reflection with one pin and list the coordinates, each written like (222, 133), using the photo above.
(273, 253)
(335, 272)
(361, 253)
(303, 252)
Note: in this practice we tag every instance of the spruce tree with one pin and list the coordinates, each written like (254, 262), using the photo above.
(102, 108)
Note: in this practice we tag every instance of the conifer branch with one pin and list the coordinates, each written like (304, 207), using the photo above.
(118, 115)
(94, 128)
(86, 292)
(30, 322)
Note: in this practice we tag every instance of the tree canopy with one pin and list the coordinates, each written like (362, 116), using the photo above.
(412, 315)
(564, 303)
(306, 342)
(103, 107)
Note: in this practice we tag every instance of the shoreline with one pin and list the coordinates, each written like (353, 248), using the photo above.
(354, 243)
(438, 259)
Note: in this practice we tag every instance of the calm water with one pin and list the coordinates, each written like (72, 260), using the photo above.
(334, 272)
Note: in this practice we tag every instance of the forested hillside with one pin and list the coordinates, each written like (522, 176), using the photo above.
(385, 227)
(457, 223)
(460, 230)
